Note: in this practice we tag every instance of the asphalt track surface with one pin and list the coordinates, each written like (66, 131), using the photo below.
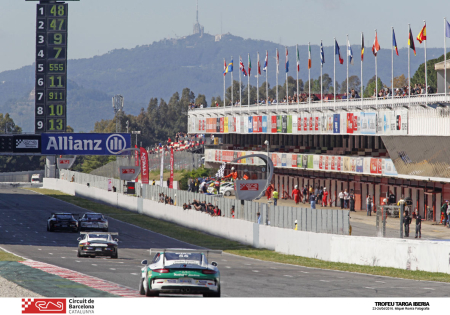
(23, 216)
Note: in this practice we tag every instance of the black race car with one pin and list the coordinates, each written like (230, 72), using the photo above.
(62, 221)
(92, 221)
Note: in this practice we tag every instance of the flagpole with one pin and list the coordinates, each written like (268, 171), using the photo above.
(376, 73)
(287, 90)
(257, 81)
(232, 85)
(321, 79)
(409, 65)
(240, 88)
(276, 57)
(224, 102)
(248, 84)
(426, 75)
(362, 83)
(445, 58)
(392, 64)
(334, 73)
(309, 77)
(348, 55)
(267, 82)
(298, 70)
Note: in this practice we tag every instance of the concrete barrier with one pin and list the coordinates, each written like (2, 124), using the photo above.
(423, 255)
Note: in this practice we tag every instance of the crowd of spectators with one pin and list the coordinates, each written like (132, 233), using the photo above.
(418, 89)
(194, 106)
(183, 142)
(165, 199)
(202, 206)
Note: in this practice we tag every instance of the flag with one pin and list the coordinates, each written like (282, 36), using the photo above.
(249, 65)
(259, 66)
(322, 56)
(230, 66)
(287, 61)
(298, 60)
(394, 42)
(337, 51)
(278, 62)
(349, 52)
(411, 42)
(423, 34)
(241, 67)
(225, 68)
(447, 29)
(266, 61)
(362, 47)
(309, 56)
(376, 45)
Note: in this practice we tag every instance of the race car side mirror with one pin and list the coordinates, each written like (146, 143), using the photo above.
(144, 262)
(116, 240)
(214, 264)
(79, 239)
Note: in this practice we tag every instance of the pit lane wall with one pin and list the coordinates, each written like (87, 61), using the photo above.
(423, 255)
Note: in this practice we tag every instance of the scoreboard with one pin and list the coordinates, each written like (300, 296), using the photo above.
(51, 67)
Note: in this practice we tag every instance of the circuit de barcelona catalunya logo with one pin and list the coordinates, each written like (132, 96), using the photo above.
(84, 143)
(43, 306)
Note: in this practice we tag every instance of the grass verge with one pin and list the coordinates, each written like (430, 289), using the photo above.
(205, 240)
(4, 256)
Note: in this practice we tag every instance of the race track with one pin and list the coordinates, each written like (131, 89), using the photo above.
(23, 216)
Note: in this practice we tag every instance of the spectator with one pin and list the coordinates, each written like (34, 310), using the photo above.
(369, 205)
(73, 179)
(352, 200)
(312, 200)
(346, 198)
(275, 196)
(392, 198)
(168, 182)
(418, 224)
(296, 194)
(305, 194)
(295, 226)
(232, 212)
(444, 212)
(258, 216)
(325, 197)
(341, 198)
(406, 222)
(153, 183)
(448, 215)
(319, 195)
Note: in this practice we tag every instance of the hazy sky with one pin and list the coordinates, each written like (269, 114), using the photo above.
(98, 26)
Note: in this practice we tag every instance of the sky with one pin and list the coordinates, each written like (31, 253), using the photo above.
(98, 26)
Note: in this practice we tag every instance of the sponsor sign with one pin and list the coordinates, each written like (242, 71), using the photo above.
(249, 186)
(84, 143)
(110, 185)
(368, 123)
(129, 172)
(26, 144)
(264, 124)
(273, 124)
(171, 168)
(65, 163)
(336, 123)
(43, 306)
(144, 166)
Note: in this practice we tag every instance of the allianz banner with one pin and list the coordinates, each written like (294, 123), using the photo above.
(84, 143)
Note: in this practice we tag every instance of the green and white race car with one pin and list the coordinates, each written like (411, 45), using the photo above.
(180, 271)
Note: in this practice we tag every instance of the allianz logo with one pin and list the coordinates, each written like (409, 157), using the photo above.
(114, 144)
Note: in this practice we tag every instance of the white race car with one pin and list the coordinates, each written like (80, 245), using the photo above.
(98, 244)
(181, 271)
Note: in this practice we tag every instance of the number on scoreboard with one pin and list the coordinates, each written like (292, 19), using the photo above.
(51, 67)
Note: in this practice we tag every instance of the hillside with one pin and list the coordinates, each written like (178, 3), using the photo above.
(160, 69)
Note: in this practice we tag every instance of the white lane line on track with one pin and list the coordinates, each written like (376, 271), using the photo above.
(369, 288)
(94, 264)
(255, 270)
(39, 249)
(273, 268)
(324, 280)
(428, 289)
(228, 267)
(135, 274)
(50, 253)
(304, 271)
(380, 281)
(77, 261)
(112, 268)
(289, 276)
(248, 264)
(63, 257)
(222, 259)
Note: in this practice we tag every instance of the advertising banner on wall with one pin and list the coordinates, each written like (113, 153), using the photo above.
(225, 124)
(250, 124)
(264, 124)
(144, 165)
(368, 123)
(336, 123)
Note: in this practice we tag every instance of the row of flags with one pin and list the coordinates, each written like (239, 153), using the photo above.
(375, 48)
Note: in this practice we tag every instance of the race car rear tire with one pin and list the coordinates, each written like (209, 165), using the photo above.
(141, 287)
(212, 294)
(51, 229)
(78, 253)
(116, 255)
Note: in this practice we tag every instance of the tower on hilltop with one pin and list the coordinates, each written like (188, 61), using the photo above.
(198, 29)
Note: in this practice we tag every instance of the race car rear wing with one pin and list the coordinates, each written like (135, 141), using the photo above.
(184, 250)
(101, 233)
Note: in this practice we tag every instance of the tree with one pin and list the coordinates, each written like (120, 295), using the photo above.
(400, 81)
(235, 92)
(201, 99)
(217, 99)
(369, 91)
(292, 87)
(252, 95)
(353, 83)
(419, 76)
